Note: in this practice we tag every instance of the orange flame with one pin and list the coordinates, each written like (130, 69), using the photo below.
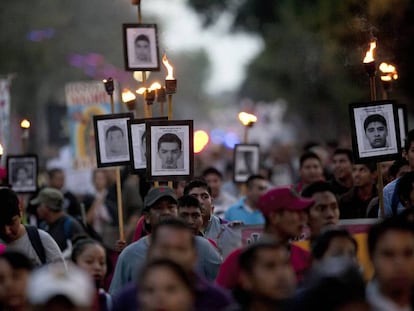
(369, 56)
(155, 86)
(247, 119)
(170, 69)
(141, 90)
(127, 96)
(25, 124)
(389, 72)
(1, 150)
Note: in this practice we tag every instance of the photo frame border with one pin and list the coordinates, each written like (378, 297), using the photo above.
(133, 169)
(355, 148)
(96, 119)
(404, 109)
(125, 28)
(237, 147)
(172, 176)
(35, 173)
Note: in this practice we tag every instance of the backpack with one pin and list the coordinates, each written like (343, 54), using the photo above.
(36, 242)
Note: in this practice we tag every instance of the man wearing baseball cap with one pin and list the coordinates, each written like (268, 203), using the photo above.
(62, 227)
(285, 217)
(160, 203)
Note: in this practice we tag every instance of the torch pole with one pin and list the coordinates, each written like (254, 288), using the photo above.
(371, 69)
(118, 185)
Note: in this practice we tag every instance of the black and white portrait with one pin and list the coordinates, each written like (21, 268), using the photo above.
(141, 47)
(246, 161)
(111, 133)
(22, 173)
(376, 130)
(170, 145)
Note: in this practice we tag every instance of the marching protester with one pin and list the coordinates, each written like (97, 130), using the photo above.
(36, 244)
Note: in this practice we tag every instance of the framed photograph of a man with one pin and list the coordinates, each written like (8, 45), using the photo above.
(22, 172)
(375, 131)
(141, 50)
(111, 139)
(246, 161)
(170, 150)
(138, 143)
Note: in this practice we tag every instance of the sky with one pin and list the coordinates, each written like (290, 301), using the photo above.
(183, 31)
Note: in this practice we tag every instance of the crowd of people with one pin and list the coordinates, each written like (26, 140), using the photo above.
(206, 244)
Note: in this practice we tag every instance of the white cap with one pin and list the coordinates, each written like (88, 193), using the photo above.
(57, 279)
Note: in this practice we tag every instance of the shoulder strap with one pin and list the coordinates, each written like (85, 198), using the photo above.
(36, 242)
(66, 228)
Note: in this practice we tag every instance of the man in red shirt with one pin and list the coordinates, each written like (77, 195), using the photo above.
(285, 217)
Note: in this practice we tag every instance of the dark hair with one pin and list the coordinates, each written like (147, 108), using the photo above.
(408, 140)
(374, 118)
(17, 260)
(53, 171)
(141, 37)
(396, 223)
(345, 151)
(113, 128)
(405, 186)
(371, 166)
(323, 241)
(9, 206)
(252, 178)
(188, 201)
(396, 166)
(174, 267)
(197, 183)
(248, 256)
(212, 170)
(309, 155)
(169, 138)
(318, 186)
(81, 242)
(174, 223)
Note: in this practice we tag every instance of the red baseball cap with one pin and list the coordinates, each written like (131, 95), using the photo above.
(283, 198)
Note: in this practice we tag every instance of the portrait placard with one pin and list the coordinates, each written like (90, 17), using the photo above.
(375, 131)
(137, 143)
(111, 139)
(246, 161)
(22, 172)
(170, 150)
(141, 50)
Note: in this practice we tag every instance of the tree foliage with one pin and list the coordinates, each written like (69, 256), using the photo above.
(314, 50)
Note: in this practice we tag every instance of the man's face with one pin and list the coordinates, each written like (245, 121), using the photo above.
(271, 275)
(174, 244)
(376, 133)
(192, 216)
(162, 209)
(142, 50)
(57, 180)
(205, 202)
(393, 261)
(342, 166)
(11, 231)
(324, 212)
(362, 176)
(256, 189)
(214, 181)
(169, 154)
(115, 142)
(290, 223)
(409, 155)
(42, 211)
(311, 171)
